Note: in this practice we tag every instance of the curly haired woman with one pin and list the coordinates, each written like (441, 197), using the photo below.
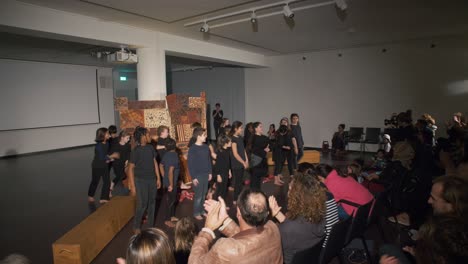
(303, 226)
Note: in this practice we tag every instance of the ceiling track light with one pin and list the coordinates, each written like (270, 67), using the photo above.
(205, 28)
(341, 4)
(287, 12)
(253, 17)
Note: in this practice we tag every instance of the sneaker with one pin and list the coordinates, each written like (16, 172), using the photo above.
(103, 201)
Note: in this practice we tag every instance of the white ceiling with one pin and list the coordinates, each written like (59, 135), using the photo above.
(34, 48)
(365, 22)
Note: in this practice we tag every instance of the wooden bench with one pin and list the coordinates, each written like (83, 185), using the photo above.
(311, 156)
(84, 242)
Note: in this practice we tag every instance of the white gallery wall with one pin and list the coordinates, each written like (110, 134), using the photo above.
(361, 87)
(22, 141)
(222, 85)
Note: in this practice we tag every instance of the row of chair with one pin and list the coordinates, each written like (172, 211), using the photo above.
(342, 233)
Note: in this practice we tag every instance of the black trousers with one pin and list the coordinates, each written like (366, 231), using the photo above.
(216, 125)
(237, 174)
(221, 187)
(257, 173)
(282, 156)
(119, 170)
(97, 173)
(146, 191)
(171, 198)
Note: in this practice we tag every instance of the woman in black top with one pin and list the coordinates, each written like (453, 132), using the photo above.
(285, 143)
(259, 147)
(100, 166)
(221, 169)
(240, 162)
(338, 140)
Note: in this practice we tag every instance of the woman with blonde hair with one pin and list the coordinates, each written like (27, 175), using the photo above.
(148, 247)
(303, 226)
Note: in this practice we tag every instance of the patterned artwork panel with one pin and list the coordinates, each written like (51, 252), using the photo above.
(147, 104)
(194, 115)
(184, 120)
(131, 118)
(184, 132)
(157, 117)
(196, 102)
(120, 103)
(177, 112)
(172, 102)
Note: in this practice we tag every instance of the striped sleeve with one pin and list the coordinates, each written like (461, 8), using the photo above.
(331, 216)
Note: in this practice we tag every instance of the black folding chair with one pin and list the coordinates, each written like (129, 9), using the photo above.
(359, 224)
(372, 137)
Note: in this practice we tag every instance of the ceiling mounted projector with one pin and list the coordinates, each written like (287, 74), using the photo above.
(122, 57)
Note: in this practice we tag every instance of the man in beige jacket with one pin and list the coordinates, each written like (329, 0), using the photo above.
(254, 240)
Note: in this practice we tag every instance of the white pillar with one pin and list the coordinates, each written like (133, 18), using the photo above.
(151, 74)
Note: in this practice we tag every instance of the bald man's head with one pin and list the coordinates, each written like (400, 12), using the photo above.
(253, 206)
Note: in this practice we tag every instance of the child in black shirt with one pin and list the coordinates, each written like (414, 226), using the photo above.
(123, 148)
(222, 166)
(199, 165)
(144, 177)
(170, 168)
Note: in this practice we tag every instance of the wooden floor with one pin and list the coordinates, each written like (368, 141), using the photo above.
(44, 196)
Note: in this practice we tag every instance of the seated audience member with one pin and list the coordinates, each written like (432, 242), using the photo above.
(448, 197)
(431, 125)
(15, 259)
(462, 169)
(343, 188)
(255, 240)
(331, 207)
(379, 163)
(353, 170)
(184, 234)
(303, 225)
(338, 140)
(442, 239)
(149, 246)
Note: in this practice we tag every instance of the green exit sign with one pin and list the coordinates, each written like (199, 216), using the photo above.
(123, 78)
